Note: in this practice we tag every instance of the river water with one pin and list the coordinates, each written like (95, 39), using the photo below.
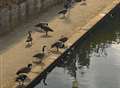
(94, 62)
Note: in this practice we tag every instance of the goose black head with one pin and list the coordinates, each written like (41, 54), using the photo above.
(29, 66)
(43, 48)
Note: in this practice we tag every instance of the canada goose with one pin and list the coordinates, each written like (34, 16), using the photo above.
(63, 12)
(58, 44)
(41, 24)
(21, 78)
(44, 27)
(63, 39)
(47, 29)
(67, 4)
(29, 38)
(25, 69)
(40, 56)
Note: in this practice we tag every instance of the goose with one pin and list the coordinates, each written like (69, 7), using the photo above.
(21, 78)
(25, 69)
(44, 27)
(58, 44)
(40, 56)
(63, 12)
(63, 39)
(29, 38)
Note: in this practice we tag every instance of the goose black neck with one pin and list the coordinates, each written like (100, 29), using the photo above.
(43, 49)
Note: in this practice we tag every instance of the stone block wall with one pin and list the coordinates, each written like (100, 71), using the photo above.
(19, 13)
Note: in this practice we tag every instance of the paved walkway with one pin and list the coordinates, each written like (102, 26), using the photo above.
(14, 55)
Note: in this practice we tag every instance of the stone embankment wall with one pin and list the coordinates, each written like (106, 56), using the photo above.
(21, 12)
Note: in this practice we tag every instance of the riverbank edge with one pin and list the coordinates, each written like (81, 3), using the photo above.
(54, 58)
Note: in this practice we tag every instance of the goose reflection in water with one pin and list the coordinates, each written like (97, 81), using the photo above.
(43, 81)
